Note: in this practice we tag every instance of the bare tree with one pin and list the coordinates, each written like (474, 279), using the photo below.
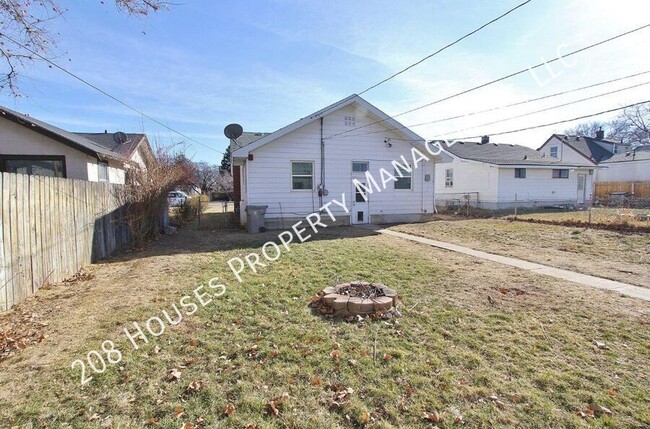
(207, 176)
(634, 125)
(225, 183)
(631, 126)
(586, 129)
(144, 193)
(25, 36)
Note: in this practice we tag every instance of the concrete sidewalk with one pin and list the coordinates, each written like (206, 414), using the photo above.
(583, 279)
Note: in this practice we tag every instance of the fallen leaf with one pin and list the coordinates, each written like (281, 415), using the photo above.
(387, 357)
(433, 417)
(316, 381)
(174, 374)
(187, 425)
(228, 409)
(156, 350)
(178, 412)
(194, 342)
(194, 386)
(504, 290)
(152, 422)
(364, 417)
(599, 410)
(600, 345)
(352, 362)
(335, 354)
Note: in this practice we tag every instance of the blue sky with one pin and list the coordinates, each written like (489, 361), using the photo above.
(264, 64)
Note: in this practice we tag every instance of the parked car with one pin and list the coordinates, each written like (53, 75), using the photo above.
(177, 198)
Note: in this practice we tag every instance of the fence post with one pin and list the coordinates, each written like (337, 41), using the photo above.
(515, 206)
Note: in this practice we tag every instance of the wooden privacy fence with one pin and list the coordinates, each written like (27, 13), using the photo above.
(50, 228)
(639, 189)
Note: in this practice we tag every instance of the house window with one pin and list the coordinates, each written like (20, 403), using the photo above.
(350, 121)
(449, 178)
(403, 182)
(554, 152)
(302, 176)
(520, 173)
(560, 173)
(359, 166)
(102, 172)
(37, 165)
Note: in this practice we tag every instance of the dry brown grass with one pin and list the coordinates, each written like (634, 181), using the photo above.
(463, 348)
(607, 254)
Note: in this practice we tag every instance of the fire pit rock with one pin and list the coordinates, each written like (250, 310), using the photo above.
(355, 298)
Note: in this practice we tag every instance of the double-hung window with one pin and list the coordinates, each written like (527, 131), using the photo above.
(560, 173)
(449, 178)
(520, 173)
(403, 182)
(302, 175)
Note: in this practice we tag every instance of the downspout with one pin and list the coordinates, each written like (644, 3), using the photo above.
(321, 190)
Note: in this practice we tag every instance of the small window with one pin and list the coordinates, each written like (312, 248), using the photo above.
(359, 166)
(520, 173)
(554, 152)
(403, 182)
(560, 173)
(359, 216)
(359, 197)
(449, 178)
(102, 172)
(350, 121)
(302, 176)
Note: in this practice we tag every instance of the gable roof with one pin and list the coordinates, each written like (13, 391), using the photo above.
(105, 140)
(352, 99)
(641, 153)
(70, 139)
(588, 146)
(503, 154)
(245, 139)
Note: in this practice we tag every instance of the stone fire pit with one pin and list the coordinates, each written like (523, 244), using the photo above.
(355, 298)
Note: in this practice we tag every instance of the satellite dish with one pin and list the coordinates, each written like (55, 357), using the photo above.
(233, 131)
(120, 137)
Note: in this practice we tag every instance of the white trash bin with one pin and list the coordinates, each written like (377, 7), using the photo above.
(255, 221)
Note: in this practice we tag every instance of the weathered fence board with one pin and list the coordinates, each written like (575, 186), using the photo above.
(639, 189)
(50, 228)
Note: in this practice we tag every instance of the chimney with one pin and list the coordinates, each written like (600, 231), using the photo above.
(485, 139)
(105, 131)
(600, 134)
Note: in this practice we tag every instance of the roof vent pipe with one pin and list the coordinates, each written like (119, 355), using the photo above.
(485, 139)
(600, 134)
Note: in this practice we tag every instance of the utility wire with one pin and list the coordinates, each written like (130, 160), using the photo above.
(447, 46)
(96, 88)
(554, 123)
(547, 108)
(492, 109)
(543, 63)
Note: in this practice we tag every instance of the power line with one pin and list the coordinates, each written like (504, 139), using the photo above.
(555, 123)
(543, 63)
(447, 46)
(547, 108)
(492, 109)
(96, 88)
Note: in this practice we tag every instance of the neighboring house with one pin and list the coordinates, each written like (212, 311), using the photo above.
(30, 146)
(619, 163)
(301, 167)
(136, 148)
(631, 165)
(500, 176)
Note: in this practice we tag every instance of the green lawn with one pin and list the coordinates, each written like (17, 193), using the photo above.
(258, 358)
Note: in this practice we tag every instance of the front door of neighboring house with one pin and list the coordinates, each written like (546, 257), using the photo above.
(360, 207)
(582, 188)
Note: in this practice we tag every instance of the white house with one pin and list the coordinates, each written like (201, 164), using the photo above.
(298, 169)
(499, 176)
(619, 162)
(30, 146)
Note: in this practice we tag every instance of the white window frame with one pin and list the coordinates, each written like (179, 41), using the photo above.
(559, 174)
(360, 162)
(557, 150)
(405, 175)
(291, 175)
(449, 183)
(520, 170)
(101, 164)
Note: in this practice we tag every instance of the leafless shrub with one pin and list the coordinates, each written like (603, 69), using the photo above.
(144, 193)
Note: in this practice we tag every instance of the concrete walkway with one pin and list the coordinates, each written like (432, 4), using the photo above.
(583, 279)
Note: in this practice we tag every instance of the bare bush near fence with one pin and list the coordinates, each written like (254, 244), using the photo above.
(145, 193)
